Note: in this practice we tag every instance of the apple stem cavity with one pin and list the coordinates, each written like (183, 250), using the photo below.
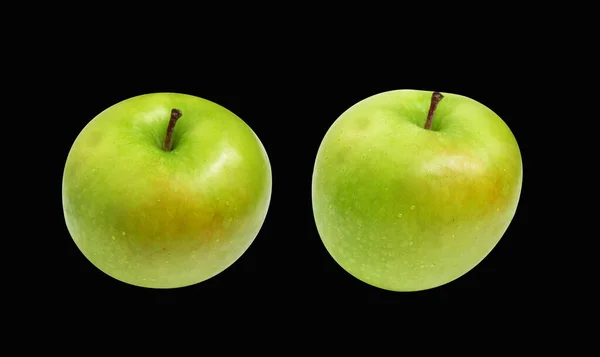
(436, 97)
(175, 114)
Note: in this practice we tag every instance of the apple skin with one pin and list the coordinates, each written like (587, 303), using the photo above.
(406, 209)
(165, 219)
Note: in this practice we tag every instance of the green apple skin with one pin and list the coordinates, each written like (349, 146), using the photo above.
(407, 209)
(165, 219)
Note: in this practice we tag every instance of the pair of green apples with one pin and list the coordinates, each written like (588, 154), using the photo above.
(411, 189)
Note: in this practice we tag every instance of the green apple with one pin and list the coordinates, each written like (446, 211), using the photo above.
(409, 197)
(165, 190)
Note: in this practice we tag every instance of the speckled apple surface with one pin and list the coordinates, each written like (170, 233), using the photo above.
(165, 219)
(404, 208)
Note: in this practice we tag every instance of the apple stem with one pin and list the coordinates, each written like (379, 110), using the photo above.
(175, 114)
(436, 97)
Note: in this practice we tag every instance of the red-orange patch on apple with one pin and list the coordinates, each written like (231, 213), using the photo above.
(465, 179)
(175, 217)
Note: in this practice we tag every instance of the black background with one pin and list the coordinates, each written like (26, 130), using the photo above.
(289, 99)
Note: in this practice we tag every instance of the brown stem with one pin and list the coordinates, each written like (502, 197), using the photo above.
(436, 97)
(175, 114)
